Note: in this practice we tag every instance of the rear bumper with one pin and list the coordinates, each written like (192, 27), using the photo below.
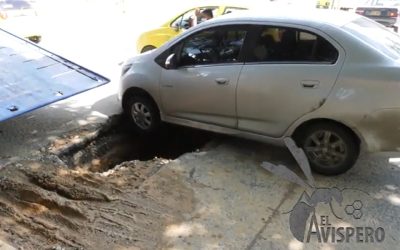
(381, 130)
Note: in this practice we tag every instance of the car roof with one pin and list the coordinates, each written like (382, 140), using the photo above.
(315, 17)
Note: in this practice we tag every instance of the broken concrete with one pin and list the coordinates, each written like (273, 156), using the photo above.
(218, 197)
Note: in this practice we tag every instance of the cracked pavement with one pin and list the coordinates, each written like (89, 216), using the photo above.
(239, 205)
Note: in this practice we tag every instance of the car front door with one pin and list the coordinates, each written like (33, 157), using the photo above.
(288, 72)
(203, 86)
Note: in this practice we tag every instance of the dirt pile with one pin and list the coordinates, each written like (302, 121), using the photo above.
(86, 192)
(43, 206)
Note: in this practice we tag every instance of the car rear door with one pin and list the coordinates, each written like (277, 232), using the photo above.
(203, 87)
(288, 72)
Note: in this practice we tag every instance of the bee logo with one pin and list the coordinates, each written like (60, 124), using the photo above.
(355, 209)
(305, 206)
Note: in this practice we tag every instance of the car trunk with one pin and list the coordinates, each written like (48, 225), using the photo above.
(377, 12)
(383, 15)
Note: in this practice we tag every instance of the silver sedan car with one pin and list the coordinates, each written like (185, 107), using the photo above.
(328, 79)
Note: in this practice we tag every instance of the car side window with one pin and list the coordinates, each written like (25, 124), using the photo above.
(178, 22)
(213, 46)
(185, 21)
(283, 44)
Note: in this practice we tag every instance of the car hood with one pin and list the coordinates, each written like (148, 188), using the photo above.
(140, 58)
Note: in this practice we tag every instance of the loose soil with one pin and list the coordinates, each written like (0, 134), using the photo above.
(94, 190)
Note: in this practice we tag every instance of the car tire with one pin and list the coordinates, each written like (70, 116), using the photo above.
(143, 113)
(330, 148)
(147, 48)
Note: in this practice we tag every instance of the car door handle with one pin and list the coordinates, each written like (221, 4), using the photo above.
(310, 84)
(221, 81)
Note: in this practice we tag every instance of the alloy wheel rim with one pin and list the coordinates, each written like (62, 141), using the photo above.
(325, 148)
(141, 115)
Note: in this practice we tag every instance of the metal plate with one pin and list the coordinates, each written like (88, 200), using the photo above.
(32, 77)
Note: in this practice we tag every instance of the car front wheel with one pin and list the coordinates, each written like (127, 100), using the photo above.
(144, 114)
(330, 148)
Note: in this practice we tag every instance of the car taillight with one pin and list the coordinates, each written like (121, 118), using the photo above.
(3, 15)
(393, 14)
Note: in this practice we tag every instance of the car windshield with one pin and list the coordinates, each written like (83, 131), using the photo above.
(378, 36)
(14, 4)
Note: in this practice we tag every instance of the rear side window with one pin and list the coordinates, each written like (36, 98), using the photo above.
(213, 46)
(283, 44)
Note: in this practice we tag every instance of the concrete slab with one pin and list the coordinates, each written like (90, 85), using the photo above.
(239, 205)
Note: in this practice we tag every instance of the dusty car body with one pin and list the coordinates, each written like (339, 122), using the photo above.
(336, 95)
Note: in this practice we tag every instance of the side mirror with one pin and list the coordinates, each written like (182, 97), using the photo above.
(176, 27)
(170, 62)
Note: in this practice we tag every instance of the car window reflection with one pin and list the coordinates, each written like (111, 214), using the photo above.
(283, 44)
(213, 46)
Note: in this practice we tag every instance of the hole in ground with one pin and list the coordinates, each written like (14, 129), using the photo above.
(120, 144)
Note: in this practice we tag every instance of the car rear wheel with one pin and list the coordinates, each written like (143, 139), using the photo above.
(143, 113)
(147, 48)
(331, 149)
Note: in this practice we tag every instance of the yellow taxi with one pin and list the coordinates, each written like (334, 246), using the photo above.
(155, 38)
